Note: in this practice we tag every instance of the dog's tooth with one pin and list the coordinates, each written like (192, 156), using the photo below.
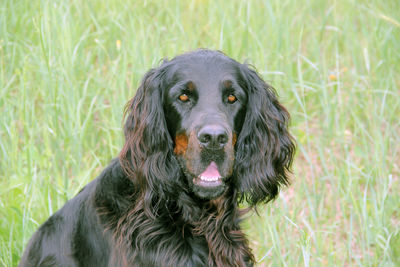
(209, 179)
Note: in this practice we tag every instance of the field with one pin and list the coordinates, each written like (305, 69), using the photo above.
(68, 67)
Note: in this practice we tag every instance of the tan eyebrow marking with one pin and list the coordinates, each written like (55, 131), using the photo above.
(227, 83)
(190, 86)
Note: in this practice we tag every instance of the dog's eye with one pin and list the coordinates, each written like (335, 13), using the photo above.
(231, 99)
(183, 98)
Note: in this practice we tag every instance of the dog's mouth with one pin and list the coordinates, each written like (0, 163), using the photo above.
(206, 171)
(209, 184)
(210, 177)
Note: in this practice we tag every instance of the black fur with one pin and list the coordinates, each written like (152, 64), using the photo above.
(153, 206)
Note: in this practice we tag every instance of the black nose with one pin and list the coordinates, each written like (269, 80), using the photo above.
(213, 136)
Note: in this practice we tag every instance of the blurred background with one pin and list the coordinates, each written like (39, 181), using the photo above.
(68, 67)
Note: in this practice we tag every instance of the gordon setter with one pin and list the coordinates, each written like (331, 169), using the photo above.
(203, 134)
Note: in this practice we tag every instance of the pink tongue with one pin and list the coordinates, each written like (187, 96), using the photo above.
(211, 171)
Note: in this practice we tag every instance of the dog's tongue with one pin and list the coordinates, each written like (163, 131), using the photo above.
(211, 171)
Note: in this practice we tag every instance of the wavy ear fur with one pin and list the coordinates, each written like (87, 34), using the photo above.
(147, 155)
(265, 148)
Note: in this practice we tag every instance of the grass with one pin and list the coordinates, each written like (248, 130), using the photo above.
(68, 67)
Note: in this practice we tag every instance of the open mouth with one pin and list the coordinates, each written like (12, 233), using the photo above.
(210, 177)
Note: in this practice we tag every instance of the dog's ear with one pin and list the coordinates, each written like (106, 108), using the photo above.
(147, 155)
(265, 148)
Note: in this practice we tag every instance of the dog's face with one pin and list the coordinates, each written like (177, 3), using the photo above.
(204, 111)
(213, 119)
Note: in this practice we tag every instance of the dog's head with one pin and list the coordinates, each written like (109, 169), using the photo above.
(215, 121)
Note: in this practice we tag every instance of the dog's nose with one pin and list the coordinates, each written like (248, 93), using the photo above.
(213, 136)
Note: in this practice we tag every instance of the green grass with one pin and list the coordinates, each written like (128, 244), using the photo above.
(68, 67)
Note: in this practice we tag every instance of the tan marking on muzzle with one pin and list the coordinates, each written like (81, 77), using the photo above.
(181, 144)
(234, 139)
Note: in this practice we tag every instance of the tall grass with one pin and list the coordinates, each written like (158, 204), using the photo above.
(68, 67)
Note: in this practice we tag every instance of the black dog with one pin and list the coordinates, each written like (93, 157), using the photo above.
(203, 133)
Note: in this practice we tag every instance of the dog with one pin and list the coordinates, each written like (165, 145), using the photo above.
(203, 134)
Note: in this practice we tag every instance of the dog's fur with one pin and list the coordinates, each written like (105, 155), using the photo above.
(201, 114)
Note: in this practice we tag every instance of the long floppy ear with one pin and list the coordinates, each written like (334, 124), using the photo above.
(147, 156)
(265, 148)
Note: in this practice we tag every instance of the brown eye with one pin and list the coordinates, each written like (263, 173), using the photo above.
(183, 98)
(231, 99)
